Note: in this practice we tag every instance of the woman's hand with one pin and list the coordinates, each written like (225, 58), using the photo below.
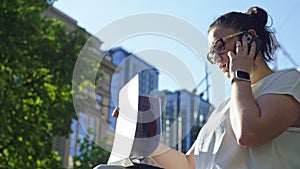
(243, 60)
(115, 113)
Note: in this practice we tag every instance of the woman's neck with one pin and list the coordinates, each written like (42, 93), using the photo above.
(262, 70)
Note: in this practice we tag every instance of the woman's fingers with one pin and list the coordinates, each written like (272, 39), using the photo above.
(115, 113)
(239, 47)
(245, 44)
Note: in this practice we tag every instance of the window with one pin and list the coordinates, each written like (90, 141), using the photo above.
(99, 98)
(99, 101)
(86, 125)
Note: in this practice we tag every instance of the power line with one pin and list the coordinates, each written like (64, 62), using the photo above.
(285, 53)
(289, 16)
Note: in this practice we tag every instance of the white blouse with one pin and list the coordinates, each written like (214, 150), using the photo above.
(216, 146)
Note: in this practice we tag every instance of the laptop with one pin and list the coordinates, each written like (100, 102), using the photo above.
(138, 129)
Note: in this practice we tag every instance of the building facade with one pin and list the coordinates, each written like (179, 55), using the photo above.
(185, 113)
(130, 65)
(94, 120)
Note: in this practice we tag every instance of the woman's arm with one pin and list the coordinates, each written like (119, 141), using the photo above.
(172, 159)
(167, 157)
(256, 122)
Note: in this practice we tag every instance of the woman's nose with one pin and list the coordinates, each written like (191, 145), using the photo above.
(217, 58)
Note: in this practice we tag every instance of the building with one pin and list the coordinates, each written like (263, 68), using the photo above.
(183, 109)
(129, 65)
(95, 119)
(171, 122)
(184, 115)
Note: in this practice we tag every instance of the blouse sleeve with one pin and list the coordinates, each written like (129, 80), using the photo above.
(287, 83)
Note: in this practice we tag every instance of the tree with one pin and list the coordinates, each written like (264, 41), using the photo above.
(36, 65)
(91, 155)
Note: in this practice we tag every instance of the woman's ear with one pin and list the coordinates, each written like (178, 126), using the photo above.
(252, 32)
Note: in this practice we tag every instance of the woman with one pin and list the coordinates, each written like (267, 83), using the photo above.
(259, 126)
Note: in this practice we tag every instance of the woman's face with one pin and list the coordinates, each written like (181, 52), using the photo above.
(228, 44)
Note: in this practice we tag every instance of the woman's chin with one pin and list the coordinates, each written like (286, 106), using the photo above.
(227, 74)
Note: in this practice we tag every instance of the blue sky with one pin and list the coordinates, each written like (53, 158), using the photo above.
(93, 15)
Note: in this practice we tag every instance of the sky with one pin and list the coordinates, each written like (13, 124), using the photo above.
(97, 15)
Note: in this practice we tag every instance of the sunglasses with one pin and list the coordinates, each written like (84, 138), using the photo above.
(218, 47)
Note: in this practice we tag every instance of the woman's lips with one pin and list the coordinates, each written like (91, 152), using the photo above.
(223, 67)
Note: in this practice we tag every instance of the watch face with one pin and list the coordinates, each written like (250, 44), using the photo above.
(243, 75)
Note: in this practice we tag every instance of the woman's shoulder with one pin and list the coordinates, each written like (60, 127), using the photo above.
(281, 77)
(288, 73)
(285, 78)
(283, 74)
(280, 82)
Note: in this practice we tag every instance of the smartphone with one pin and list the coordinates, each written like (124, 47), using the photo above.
(250, 39)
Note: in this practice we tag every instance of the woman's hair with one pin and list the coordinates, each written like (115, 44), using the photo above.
(255, 18)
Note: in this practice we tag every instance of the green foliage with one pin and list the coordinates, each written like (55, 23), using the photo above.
(36, 65)
(91, 155)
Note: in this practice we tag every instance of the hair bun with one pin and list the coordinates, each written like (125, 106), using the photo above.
(258, 14)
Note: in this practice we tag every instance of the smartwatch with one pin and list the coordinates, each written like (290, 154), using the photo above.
(240, 75)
